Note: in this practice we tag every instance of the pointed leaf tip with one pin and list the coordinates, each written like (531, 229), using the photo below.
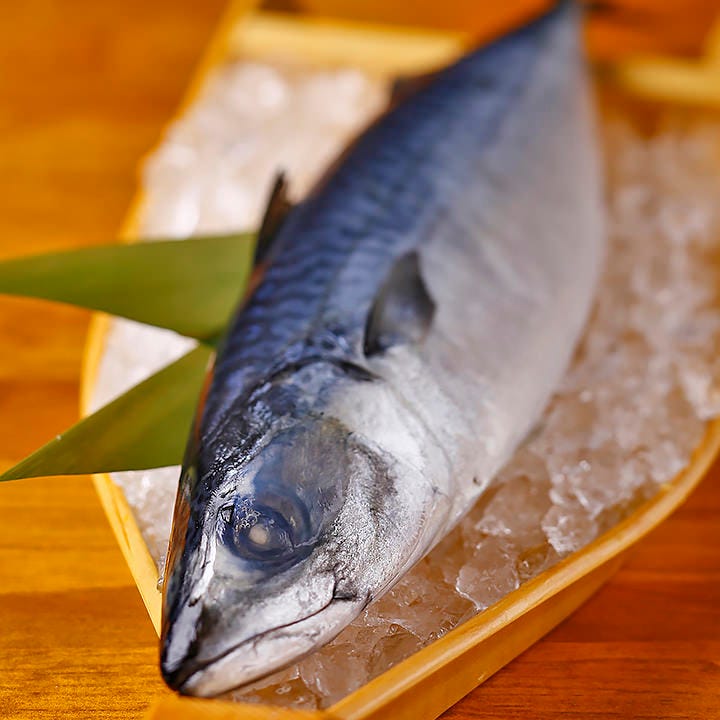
(147, 427)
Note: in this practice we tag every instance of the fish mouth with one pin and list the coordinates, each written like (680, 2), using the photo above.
(265, 653)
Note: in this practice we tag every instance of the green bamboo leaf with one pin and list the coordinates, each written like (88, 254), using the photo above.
(147, 427)
(190, 286)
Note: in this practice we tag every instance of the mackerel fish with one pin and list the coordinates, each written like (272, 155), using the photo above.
(417, 311)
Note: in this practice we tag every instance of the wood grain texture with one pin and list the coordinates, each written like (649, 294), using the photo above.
(85, 88)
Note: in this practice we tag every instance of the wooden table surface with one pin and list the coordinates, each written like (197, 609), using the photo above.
(85, 87)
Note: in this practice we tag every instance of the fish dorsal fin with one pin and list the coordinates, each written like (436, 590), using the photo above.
(402, 311)
(405, 86)
(278, 207)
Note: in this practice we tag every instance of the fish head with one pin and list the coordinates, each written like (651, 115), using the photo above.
(276, 549)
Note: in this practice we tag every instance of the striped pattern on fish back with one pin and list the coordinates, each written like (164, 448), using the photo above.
(387, 195)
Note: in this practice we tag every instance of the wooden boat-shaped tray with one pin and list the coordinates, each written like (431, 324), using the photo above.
(433, 679)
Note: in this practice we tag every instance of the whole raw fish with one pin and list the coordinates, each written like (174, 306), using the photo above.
(417, 311)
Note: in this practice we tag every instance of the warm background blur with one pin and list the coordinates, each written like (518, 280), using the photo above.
(85, 88)
(618, 27)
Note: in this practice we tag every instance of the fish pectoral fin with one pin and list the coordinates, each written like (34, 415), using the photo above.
(403, 309)
(277, 210)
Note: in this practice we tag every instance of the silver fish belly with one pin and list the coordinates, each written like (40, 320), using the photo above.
(417, 312)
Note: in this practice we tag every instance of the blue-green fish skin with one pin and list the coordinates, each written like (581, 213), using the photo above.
(418, 309)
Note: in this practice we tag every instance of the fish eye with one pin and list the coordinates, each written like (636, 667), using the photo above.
(257, 532)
